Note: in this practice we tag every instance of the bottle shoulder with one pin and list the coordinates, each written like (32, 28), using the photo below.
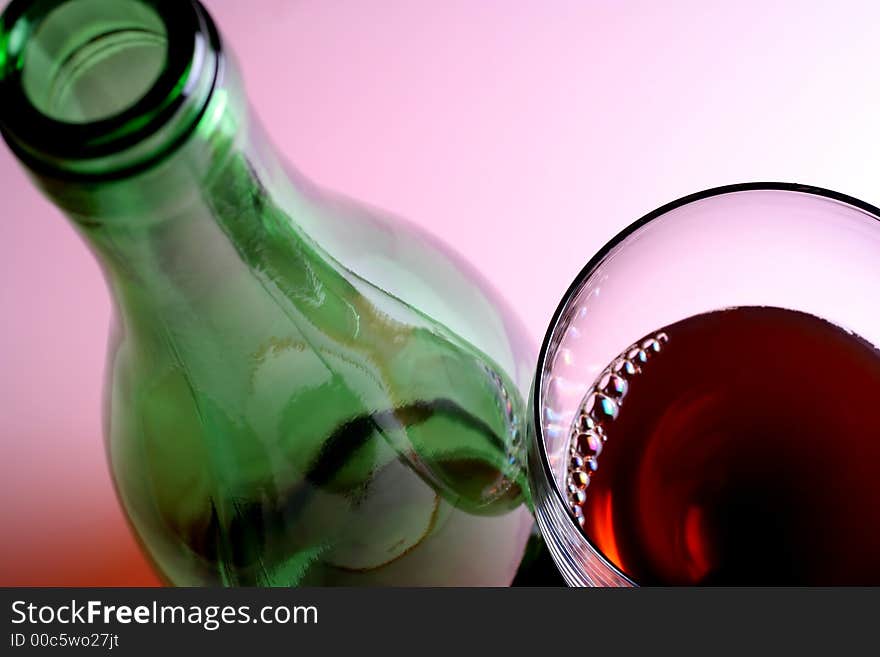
(408, 262)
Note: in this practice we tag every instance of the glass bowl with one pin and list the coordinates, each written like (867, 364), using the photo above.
(757, 244)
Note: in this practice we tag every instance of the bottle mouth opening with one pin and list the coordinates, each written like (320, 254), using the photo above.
(103, 87)
(88, 61)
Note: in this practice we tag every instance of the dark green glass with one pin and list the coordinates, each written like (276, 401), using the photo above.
(299, 391)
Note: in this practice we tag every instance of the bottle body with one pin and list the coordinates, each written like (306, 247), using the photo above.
(299, 392)
(327, 432)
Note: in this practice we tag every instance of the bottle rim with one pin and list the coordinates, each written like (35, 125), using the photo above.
(542, 476)
(162, 118)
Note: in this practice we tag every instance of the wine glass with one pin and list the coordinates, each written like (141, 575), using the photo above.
(774, 245)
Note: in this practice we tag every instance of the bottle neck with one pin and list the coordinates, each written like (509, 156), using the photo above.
(189, 234)
(133, 222)
(167, 191)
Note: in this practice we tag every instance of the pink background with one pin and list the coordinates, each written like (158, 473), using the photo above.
(524, 133)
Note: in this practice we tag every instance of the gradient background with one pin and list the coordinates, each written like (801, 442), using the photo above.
(525, 133)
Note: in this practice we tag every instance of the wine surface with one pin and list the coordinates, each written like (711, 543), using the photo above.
(740, 446)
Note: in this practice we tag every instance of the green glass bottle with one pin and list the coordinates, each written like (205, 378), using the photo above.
(299, 392)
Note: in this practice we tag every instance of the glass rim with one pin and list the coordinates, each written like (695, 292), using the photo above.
(587, 272)
(42, 141)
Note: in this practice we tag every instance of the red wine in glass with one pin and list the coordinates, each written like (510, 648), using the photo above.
(740, 446)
